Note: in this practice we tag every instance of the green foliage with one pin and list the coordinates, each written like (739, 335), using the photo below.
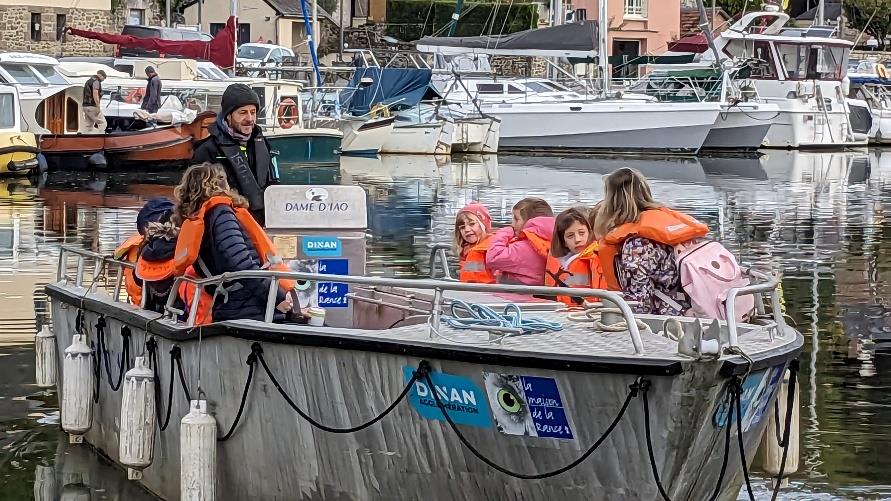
(734, 7)
(412, 19)
(859, 13)
(331, 5)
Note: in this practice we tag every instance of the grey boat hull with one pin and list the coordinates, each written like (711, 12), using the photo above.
(343, 380)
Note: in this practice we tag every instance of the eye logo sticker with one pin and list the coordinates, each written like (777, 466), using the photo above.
(526, 405)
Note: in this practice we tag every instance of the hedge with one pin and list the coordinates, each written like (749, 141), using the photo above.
(410, 20)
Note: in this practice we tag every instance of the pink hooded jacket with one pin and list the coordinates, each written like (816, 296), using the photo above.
(516, 260)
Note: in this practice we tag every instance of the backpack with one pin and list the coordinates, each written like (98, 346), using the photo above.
(707, 272)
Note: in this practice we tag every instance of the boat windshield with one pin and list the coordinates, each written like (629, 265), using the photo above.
(50, 74)
(813, 62)
(252, 52)
(7, 111)
(21, 73)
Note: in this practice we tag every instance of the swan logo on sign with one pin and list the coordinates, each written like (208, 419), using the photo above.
(317, 194)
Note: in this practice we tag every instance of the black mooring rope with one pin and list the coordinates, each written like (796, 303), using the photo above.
(123, 359)
(251, 361)
(728, 423)
(175, 364)
(736, 389)
(633, 390)
(790, 405)
(423, 368)
(646, 405)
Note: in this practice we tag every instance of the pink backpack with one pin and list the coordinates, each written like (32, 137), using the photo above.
(708, 271)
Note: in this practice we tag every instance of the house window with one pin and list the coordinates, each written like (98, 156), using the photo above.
(581, 14)
(137, 16)
(35, 27)
(61, 21)
(635, 8)
(216, 27)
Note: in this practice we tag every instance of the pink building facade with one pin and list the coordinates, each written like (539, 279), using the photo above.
(636, 27)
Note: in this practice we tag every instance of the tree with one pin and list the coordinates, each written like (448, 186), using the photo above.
(877, 13)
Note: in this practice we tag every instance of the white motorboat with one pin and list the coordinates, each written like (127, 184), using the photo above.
(801, 73)
(875, 93)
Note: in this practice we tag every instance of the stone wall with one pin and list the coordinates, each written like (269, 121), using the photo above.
(519, 66)
(15, 28)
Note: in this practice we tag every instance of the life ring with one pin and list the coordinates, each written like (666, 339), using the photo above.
(379, 110)
(288, 114)
(881, 71)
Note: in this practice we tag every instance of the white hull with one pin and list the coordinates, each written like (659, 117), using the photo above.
(365, 138)
(808, 128)
(476, 135)
(741, 126)
(606, 125)
(421, 139)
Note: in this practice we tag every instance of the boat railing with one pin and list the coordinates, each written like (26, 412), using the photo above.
(762, 283)
(439, 262)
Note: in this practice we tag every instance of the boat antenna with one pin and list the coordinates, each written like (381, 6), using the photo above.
(602, 51)
(865, 26)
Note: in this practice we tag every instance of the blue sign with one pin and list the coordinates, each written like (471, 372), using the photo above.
(333, 295)
(527, 405)
(757, 390)
(462, 399)
(322, 247)
(334, 266)
(546, 407)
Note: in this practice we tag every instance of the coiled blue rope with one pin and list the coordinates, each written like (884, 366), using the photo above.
(477, 316)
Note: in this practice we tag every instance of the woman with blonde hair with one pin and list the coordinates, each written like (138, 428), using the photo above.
(219, 235)
(638, 235)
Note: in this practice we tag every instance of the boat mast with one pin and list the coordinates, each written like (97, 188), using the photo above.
(311, 44)
(459, 6)
(602, 52)
(821, 13)
(706, 27)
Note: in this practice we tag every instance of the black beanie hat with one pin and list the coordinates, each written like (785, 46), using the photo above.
(156, 210)
(236, 96)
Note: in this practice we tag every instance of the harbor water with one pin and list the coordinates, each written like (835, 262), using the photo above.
(817, 217)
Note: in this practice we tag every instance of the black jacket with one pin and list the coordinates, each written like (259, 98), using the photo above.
(227, 248)
(250, 172)
(151, 100)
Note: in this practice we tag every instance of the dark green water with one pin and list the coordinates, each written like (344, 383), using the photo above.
(818, 217)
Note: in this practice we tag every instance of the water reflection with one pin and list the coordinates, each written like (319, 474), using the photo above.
(818, 217)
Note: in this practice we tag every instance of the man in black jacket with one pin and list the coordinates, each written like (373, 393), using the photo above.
(151, 100)
(237, 142)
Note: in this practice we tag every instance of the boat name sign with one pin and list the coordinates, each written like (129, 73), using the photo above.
(462, 398)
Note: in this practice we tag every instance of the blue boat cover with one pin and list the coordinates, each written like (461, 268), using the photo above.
(399, 88)
(870, 80)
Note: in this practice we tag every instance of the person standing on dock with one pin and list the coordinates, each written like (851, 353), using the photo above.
(151, 100)
(237, 142)
(94, 120)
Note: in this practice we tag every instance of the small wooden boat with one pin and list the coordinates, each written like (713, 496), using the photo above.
(157, 148)
(18, 149)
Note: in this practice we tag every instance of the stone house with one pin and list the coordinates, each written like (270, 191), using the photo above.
(37, 25)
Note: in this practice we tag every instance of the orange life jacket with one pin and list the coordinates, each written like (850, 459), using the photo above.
(582, 272)
(205, 301)
(662, 225)
(129, 251)
(472, 268)
(541, 245)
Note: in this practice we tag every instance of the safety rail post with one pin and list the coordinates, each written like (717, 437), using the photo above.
(438, 253)
(769, 287)
(78, 278)
(119, 281)
(270, 300)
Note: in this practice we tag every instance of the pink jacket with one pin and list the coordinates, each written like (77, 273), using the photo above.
(516, 260)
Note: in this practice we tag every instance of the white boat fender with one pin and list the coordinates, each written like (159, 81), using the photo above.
(137, 435)
(77, 389)
(772, 442)
(46, 357)
(45, 483)
(198, 453)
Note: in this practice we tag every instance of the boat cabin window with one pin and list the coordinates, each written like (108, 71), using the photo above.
(7, 111)
(757, 49)
(514, 90)
(21, 73)
(50, 74)
(813, 62)
(490, 88)
(538, 87)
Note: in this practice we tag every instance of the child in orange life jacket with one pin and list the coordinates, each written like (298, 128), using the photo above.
(518, 254)
(471, 242)
(573, 260)
(156, 210)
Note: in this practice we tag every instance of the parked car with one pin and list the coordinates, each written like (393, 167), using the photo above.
(259, 55)
(173, 34)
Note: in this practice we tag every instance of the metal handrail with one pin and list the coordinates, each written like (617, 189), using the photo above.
(769, 286)
(438, 255)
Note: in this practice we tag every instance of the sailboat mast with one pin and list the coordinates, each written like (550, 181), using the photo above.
(602, 51)
(821, 13)
(459, 6)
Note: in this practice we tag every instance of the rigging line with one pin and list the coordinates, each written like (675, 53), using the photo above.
(504, 24)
